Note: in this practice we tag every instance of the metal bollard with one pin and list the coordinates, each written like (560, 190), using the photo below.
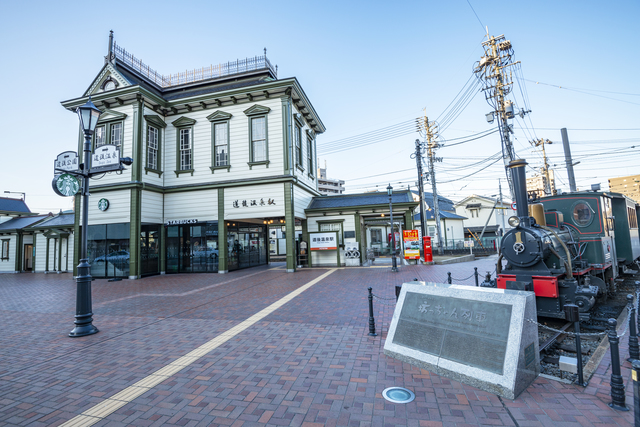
(634, 350)
(635, 376)
(617, 385)
(448, 277)
(572, 314)
(475, 273)
(372, 321)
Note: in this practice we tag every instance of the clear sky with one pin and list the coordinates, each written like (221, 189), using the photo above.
(365, 66)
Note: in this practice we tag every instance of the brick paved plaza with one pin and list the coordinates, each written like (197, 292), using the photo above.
(210, 349)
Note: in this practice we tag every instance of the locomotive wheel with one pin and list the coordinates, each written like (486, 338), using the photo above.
(584, 303)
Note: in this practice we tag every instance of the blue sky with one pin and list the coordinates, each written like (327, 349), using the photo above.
(364, 66)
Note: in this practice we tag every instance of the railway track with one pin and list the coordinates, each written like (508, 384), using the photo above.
(554, 338)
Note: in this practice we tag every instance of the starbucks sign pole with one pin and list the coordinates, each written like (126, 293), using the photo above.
(107, 159)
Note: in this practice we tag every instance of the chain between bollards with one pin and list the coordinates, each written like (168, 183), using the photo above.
(372, 321)
(634, 350)
(617, 384)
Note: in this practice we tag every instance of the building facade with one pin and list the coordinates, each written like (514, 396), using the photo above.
(486, 219)
(329, 186)
(220, 153)
(627, 185)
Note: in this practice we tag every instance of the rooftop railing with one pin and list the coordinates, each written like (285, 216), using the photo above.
(191, 76)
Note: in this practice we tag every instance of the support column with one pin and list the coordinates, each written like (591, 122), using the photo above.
(305, 237)
(60, 254)
(408, 220)
(359, 239)
(19, 249)
(223, 256)
(290, 227)
(135, 212)
(46, 263)
(163, 249)
(66, 267)
(33, 259)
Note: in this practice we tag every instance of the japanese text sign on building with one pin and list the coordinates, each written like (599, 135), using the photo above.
(253, 202)
(106, 156)
(323, 241)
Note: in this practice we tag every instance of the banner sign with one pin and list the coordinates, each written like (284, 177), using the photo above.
(411, 244)
(323, 241)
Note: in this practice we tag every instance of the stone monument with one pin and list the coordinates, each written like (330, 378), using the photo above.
(482, 337)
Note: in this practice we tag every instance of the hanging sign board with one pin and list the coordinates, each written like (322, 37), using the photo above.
(323, 241)
(67, 161)
(411, 244)
(105, 158)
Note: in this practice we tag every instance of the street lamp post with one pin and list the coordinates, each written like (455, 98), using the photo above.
(394, 265)
(89, 115)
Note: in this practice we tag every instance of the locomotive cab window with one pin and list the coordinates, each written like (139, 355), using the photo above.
(582, 214)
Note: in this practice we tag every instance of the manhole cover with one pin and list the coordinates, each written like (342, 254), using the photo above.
(398, 395)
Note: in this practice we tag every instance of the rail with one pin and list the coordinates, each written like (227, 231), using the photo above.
(190, 76)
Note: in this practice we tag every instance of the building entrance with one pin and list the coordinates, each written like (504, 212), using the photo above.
(246, 244)
(192, 248)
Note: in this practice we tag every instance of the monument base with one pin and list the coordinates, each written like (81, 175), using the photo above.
(483, 337)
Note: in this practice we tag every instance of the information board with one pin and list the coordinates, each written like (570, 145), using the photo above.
(411, 241)
(323, 241)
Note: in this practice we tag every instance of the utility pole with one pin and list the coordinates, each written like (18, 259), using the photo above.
(494, 69)
(418, 156)
(431, 130)
(504, 228)
(567, 159)
(545, 169)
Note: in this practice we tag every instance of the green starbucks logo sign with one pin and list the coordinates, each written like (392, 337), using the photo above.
(103, 205)
(67, 185)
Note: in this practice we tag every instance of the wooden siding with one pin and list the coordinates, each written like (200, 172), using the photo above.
(127, 143)
(239, 146)
(302, 198)
(303, 175)
(9, 265)
(152, 207)
(119, 207)
(41, 251)
(200, 205)
(261, 194)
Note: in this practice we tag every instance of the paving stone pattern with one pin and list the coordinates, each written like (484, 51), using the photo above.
(309, 363)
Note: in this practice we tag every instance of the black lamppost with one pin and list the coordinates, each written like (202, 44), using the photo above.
(394, 265)
(89, 115)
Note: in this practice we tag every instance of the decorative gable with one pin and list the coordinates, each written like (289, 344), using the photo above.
(155, 120)
(218, 116)
(110, 115)
(183, 121)
(256, 110)
(107, 72)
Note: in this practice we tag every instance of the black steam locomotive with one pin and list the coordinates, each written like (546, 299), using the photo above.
(568, 248)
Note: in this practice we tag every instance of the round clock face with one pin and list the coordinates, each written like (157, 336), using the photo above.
(67, 185)
(103, 205)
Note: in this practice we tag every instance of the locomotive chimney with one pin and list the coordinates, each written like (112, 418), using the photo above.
(519, 178)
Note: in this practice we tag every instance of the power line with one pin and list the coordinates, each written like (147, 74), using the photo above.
(474, 12)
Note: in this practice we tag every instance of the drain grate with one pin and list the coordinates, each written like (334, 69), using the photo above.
(398, 395)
